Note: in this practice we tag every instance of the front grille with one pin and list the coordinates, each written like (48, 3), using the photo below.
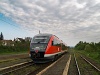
(37, 55)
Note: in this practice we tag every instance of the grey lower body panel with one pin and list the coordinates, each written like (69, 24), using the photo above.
(42, 60)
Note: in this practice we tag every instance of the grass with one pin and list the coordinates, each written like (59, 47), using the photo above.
(9, 53)
(93, 55)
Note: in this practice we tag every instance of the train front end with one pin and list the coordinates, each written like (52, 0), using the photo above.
(38, 47)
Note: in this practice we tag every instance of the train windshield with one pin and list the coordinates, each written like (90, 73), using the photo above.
(38, 46)
(39, 42)
(40, 39)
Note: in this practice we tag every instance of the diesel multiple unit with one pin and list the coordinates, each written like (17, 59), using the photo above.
(46, 47)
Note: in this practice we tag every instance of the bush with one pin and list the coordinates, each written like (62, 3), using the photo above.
(19, 47)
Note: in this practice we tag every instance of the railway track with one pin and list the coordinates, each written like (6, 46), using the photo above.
(58, 67)
(42, 69)
(77, 66)
(91, 64)
(27, 67)
(85, 67)
(81, 65)
(42, 66)
(10, 69)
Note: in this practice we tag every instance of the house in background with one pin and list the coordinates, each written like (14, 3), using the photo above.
(19, 39)
(12, 43)
(23, 40)
(6, 42)
(28, 38)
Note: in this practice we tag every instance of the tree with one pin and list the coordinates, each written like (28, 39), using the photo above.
(1, 36)
(81, 45)
(88, 48)
(97, 45)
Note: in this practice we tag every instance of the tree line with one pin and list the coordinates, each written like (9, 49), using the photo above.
(18, 46)
(89, 47)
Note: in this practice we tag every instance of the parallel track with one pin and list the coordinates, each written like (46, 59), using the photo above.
(78, 70)
(16, 67)
(88, 62)
(91, 64)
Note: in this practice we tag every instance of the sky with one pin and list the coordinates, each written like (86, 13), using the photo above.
(70, 20)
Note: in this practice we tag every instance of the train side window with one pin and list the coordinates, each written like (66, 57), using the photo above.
(55, 42)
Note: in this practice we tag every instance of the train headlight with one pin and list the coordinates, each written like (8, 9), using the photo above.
(32, 48)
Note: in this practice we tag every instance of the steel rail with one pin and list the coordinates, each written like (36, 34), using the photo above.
(91, 64)
(25, 64)
(77, 65)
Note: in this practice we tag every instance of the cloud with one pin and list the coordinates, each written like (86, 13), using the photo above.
(71, 20)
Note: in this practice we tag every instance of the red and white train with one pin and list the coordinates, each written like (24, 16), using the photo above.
(46, 47)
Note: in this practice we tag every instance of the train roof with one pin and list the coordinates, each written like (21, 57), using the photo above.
(44, 34)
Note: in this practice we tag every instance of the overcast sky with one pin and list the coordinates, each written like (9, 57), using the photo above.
(71, 20)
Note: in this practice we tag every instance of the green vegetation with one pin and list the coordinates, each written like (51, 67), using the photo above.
(18, 47)
(91, 50)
